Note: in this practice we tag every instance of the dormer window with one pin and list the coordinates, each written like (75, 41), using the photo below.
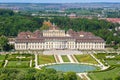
(81, 35)
(28, 36)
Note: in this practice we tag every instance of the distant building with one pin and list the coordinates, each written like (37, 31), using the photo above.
(72, 15)
(113, 20)
(54, 38)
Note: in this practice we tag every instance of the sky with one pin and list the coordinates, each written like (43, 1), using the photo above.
(55, 1)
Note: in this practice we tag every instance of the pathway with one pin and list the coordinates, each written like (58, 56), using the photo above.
(101, 64)
(75, 60)
(61, 52)
(30, 63)
(56, 58)
(36, 60)
(60, 58)
(6, 61)
(83, 76)
(70, 58)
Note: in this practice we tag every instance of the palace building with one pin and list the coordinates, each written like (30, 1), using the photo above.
(54, 38)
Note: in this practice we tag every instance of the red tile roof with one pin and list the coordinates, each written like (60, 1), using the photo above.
(113, 20)
(38, 37)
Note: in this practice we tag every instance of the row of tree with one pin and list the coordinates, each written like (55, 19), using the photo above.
(14, 23)
(100, 28)
(33, 74)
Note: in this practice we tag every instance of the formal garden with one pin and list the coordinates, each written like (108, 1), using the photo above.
(108, 58)
(113, 72)
(45, 59)
(85, 58)
(20, 60)
(18, 64)
(65, 58)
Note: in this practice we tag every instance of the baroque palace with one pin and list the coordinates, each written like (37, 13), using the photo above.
(54, 38)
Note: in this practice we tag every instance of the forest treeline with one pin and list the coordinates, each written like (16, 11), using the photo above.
(101, 28)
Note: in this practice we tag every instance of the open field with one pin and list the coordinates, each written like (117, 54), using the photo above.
(105, 75)
(85, 58)
(45, 59)
(65, 58)
(18, 64)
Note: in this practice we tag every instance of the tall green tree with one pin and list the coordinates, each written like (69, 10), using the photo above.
(3, 43)
(70, 76)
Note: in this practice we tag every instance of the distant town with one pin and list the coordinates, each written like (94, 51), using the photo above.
(101, 10)
(60, 41)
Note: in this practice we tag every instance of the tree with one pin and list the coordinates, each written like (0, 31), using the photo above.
(70, 76)
(108, 79)
(46, 25)
(117, 78)
(3, 43)
(40, 76)
(115, 47)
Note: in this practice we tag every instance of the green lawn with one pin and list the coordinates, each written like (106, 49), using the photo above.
(65, 58)
(2, 57)
(1, 64)
(106, 75)
(113, 62)
(109, 61)
(103, 55)
(44, 59)
(18, 64)
(17, 57)
(78, 78)
(85, 58)
(20, 60)
(110, 74)
(100, 55)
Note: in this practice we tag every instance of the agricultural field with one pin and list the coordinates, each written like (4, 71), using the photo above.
(65, 58)
(85, 58)
(45, 59)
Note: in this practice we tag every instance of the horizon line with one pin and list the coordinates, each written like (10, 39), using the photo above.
(55, 2)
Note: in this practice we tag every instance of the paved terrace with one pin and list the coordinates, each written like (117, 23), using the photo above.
(61, 52)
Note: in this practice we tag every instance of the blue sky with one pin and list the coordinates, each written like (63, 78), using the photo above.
(56, 1)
